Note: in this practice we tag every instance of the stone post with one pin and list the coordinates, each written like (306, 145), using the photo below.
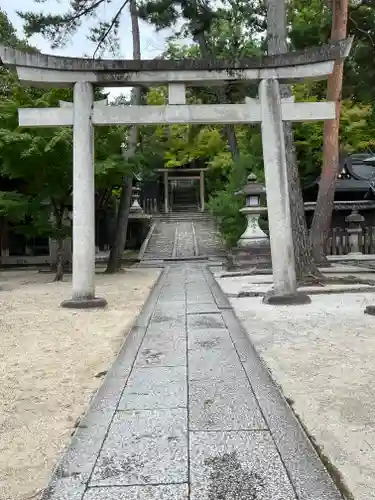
(279, 219)
(201, 186)
(83, 295)
(355, 232)
(166, 193)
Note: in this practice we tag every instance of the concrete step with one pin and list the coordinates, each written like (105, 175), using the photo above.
(185, 208)
(183, 216)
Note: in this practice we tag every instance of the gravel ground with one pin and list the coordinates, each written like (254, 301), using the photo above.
(322, 356)
(49, 361)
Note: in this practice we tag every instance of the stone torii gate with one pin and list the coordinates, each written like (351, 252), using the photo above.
(83, 74)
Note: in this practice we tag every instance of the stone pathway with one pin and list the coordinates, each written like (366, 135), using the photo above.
(183, 236)
(162, 242)
(186, 243)
(189, 412)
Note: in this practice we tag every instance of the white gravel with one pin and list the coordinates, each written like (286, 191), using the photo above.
(322, 356)
(49, 357)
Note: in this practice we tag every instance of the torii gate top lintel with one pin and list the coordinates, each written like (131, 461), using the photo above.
(49, 70)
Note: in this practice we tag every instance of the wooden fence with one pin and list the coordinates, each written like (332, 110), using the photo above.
(150, 205)
(338, 241)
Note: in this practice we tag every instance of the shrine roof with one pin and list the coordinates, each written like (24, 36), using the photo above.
(354, 174)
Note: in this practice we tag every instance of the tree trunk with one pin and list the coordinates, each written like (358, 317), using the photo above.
(59, 276)
(117, 249)
(230, 134)
(324, 204)
(277, 44)
(4, 236)
(114, 261)
(59, 264)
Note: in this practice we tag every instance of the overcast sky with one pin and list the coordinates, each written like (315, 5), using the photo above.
(152, 44)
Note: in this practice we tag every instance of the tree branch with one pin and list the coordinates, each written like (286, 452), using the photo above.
(85, 11)
(53, 202)
(39, 23)
(364, 32)
(108, 30)
(364, 3)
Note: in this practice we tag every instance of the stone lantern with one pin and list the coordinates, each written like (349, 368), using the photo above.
(253, 248)
(139, 222)
(254, 236)
(136, 207)
(136, 190)
(354, 230)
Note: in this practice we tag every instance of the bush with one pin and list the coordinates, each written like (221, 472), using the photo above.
(225, 205)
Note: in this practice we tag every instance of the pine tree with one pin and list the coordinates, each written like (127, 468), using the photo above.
(324, 204)
(114, 261)
(199, 16)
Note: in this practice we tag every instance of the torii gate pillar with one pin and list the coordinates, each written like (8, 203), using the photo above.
(279, 217)
(83, 290)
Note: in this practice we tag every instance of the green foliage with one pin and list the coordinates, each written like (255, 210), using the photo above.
(8, 35)
(36, 164)
(357, 127)
(225, 204)
(166, 13)
(59, 28)
(310, 24)
(13, 205)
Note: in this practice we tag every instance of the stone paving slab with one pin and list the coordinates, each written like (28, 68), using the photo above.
(145, 446)
(177, 302)
(202, 308)
(166, 352)
(188, 412)
(173, 312)
(170, 492)
(214, 363)
(223, 405)
(237, 465)
(173, 332)
(209, 339)
(156, 387)
(194, 297)
(206, 321)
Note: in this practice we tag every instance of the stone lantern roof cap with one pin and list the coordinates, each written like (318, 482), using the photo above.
(252, 187)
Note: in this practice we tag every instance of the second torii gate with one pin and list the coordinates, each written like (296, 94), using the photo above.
(269, 110)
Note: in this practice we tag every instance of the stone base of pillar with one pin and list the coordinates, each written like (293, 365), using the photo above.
(370, 310)
(246, 257)
(294, 299)
(96, 302)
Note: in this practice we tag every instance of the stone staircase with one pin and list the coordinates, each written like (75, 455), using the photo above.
(208, 239)
(160, 245)
(182, 236)
(184, 198)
